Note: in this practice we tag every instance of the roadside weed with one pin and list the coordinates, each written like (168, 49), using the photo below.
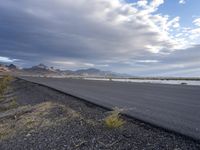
(113, 120)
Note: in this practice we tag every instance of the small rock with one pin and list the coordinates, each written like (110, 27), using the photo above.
(28, 135)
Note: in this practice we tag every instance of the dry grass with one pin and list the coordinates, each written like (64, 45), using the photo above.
(4, 83)
(9, 105)
(35, 117)
(113, 120)
(13, 104)
(5, 130)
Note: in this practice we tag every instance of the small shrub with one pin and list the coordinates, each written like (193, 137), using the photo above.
(113, 120)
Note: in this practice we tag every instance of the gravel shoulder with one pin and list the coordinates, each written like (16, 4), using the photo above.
(41, 118)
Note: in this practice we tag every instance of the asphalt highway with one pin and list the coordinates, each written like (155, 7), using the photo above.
(173, 107)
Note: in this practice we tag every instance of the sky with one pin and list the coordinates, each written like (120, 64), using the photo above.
(137, 37)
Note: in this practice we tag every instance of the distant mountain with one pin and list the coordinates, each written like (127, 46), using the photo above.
(12, 67)
(40, 66)
(93, 72)
(44, 70)
(40, 69)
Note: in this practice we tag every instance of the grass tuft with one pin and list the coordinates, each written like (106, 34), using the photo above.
(113, 120)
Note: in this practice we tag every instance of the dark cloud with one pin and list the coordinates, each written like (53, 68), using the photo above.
(104, 34)
(183, 62)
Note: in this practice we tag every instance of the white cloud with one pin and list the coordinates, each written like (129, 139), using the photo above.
(182, 1)
(153, 48)
(197, 22)
(142, 3)
(156, 3)
(70, 63)
(147, 61)
(174, 23)
(7, 59)
(89, 64)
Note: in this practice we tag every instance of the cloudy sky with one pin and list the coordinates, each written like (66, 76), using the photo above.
(138, 37)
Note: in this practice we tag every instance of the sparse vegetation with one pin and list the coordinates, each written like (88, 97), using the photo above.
(4, 133)
(113, 120)
(13, 104)
(4, 83)
(7, 103)
(34, 117)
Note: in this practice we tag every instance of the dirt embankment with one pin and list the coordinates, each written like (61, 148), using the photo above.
(36, 117)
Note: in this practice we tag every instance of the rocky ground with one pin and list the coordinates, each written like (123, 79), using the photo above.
(38, 118)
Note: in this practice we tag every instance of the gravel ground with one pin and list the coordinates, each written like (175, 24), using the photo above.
(50, 120)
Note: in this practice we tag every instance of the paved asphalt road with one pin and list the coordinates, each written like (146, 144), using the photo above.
(174, 107)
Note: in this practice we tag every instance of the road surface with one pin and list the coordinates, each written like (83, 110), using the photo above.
(173, 107)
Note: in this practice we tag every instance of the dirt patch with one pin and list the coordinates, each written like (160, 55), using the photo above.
(47, 119)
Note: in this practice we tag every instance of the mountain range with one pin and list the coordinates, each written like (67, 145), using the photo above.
(43, 70)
